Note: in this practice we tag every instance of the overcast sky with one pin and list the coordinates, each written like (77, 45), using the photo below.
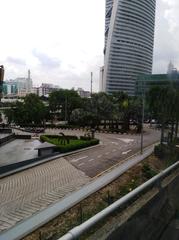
(62, 41)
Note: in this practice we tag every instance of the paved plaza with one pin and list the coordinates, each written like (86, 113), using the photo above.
(18, 150)
(25, 193)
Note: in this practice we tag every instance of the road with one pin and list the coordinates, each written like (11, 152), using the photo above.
(25, 193)
(113, 149)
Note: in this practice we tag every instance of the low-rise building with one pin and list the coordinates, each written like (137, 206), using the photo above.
(45, 89)
(83, 94)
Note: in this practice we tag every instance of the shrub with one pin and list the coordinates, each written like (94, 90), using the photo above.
(158, 151)
(44, 138)
(74, 143)
(148, 172)
(86, 138)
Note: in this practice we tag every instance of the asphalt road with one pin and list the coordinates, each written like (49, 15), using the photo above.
(113, 149)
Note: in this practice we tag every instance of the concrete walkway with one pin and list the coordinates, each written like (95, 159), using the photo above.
(25, 193)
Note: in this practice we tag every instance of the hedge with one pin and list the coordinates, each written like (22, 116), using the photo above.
(74, 144)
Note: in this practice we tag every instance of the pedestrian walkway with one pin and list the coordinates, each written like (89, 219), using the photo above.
(25, 193)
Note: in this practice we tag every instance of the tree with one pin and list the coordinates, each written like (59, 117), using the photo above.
(31, 111)
(161, 102)
(127, 108)
(63, 102)
(93, 110)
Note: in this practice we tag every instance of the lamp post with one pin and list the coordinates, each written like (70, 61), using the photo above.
(91, 84)
(142, 124)
(1, 79)
(143, 115)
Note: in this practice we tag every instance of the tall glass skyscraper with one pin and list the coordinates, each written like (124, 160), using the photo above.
(129, 40)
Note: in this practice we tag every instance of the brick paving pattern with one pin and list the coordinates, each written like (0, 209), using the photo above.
(25, 193)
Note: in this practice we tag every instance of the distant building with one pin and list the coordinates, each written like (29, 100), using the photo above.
(29, 83)
(146, 82)
(101, 80)
(45, 89)
(83, 94)
(10, 88)
(18, 87)
(172, 71)
(35, 90)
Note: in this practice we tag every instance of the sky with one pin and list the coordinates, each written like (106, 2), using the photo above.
(62, 41)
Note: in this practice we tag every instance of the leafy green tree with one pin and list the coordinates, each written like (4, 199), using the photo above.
(95, 109)
(31, 111)
(63, 102)
(127, 108)
(161, 101)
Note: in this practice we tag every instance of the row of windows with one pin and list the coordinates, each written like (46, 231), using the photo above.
(129, 66)
(148, 11)
(132, 49)
(134, 38)
(131, 55)
(134, 14)
(150, 5)
(128, 30)
(147, 36)
(124, 23)
(128, 62)
(132, 21)
(139, 7)
(128, 71)
(135, 43)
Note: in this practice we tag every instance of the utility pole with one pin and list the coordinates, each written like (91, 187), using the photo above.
(143, 112)
(91, 83)
(142, 127)
(1, 79)
(66, 108)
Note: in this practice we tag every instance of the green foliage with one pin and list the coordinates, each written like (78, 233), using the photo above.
(148, 172)
(129, 187)
(168, 153)
(31, 111)
(163, 104)
(74, 143)
(63, 102)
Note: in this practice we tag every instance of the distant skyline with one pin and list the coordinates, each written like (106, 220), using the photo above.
(62, 41)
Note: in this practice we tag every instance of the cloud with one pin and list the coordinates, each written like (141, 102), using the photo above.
(16, 61)
(166, 35)
(45, 60)
(171, 14)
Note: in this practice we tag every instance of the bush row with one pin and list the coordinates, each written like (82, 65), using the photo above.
(44, 138)
(77, 145)
(73, 145)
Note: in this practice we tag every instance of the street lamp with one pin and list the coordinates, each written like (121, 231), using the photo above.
(1, 79)
(143, 113)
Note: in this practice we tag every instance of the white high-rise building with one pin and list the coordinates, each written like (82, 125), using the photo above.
(29, 82)
(129, 40)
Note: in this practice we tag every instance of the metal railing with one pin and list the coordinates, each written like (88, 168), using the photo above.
(156, 181)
